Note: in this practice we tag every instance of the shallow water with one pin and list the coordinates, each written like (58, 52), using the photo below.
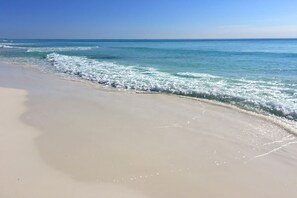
(258, 75)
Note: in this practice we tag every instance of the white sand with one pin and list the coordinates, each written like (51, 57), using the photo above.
(65, 139)
(24, 174)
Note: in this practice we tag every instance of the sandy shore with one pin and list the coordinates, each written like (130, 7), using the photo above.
(60, 138)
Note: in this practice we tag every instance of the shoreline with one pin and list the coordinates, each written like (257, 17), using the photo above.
(145, 145)
(289, 125)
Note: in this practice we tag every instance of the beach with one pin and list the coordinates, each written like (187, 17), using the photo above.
(67, 138)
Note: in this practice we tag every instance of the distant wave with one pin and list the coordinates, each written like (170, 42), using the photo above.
(215, 51)
(43, 49)
(5, 46)
(196, 75)
(58, 49)
(11, 44)
(274, 98)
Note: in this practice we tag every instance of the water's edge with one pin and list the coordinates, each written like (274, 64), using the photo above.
(287, 125)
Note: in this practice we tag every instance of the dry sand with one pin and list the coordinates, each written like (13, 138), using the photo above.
(60, 138)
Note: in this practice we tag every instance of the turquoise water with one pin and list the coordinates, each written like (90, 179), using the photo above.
(257, 75)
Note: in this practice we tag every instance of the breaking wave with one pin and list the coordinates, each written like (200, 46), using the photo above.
(273, 97)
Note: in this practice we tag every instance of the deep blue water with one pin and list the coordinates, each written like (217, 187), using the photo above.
(258, 75)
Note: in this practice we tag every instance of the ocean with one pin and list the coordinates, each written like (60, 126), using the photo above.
(258, 75)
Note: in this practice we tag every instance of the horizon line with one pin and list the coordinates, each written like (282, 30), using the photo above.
(244, 38)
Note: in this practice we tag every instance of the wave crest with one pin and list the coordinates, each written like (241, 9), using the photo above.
(58, 49)
(274, 98)
(5, 46)
(196, 75)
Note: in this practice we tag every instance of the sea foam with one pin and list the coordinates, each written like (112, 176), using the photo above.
(274, 98)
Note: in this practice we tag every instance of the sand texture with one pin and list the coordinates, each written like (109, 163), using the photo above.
(61, 138)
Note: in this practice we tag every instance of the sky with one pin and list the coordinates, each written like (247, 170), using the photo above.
(148, 19)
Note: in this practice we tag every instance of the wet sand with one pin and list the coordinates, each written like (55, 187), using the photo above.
(61, 138)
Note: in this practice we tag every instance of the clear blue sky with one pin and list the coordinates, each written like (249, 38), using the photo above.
(148, 18)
